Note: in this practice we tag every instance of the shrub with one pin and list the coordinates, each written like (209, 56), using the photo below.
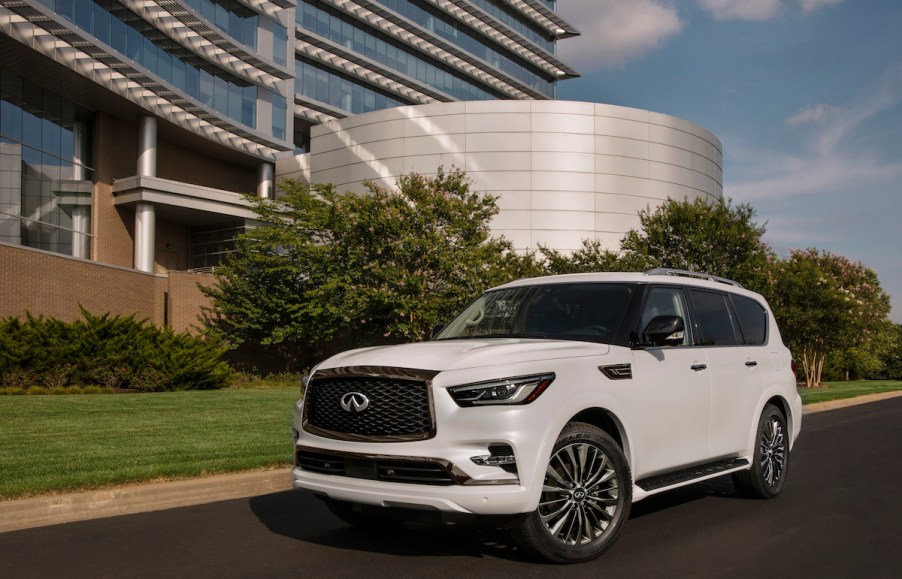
(40, 355)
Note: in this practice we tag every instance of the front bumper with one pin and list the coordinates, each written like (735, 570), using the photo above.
(476, 500)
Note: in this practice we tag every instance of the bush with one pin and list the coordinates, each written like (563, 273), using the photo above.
(40, 355)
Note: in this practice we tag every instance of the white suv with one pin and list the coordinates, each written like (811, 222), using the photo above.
(551, 404)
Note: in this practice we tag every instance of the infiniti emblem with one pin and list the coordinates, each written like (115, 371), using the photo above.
(354, 402)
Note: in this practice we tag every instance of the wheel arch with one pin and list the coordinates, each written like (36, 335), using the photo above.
(608, 422)
(793, 421)
(783, 406)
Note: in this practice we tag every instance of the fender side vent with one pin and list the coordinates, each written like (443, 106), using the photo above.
(617, 371)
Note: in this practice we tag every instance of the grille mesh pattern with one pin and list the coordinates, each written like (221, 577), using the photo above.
(397, 408)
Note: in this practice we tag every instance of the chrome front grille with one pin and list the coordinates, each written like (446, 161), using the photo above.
(397, 405)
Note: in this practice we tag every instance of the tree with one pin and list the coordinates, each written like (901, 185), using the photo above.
(589, 258)
(892, 361)
(339, 268)
(705, 236)
(827, 305)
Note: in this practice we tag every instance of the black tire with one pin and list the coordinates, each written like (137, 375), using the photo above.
(352, 514)
(770, 464)
(585, 500)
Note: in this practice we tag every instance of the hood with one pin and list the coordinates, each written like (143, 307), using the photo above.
(442, 355)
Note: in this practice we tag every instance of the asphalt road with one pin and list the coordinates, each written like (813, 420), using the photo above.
(840, 515)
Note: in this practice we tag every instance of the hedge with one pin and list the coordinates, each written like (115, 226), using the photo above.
(111, 352)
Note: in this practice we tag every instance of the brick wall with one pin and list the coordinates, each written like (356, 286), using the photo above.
(54, 285)
(116, 157)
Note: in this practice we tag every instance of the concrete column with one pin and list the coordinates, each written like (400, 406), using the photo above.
(145, 213)
(81, 214)
(147, 147)
(265, 180)
(81, 224)
(145, 236)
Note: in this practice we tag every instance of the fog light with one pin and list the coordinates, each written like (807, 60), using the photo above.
(492, 460)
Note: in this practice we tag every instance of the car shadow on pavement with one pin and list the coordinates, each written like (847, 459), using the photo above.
(301, 516)
(721, 487)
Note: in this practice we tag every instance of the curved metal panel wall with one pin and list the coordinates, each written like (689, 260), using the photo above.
(563, 171)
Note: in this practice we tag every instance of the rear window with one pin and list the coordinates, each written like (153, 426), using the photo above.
(712, 315)
(752, 320)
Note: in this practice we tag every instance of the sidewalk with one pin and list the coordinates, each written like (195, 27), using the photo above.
(139, 498)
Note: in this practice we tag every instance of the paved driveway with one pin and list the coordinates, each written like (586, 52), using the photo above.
(840, 515)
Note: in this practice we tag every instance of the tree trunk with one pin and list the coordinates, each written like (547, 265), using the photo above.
(813, 366)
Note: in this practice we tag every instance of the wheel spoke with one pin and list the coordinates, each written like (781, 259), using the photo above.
(772, 452)
(580, 495)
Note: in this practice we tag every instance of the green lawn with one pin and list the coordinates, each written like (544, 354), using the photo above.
(851, 389)
(67, 442)
(70, 442)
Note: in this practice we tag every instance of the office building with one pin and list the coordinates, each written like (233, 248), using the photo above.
(130, 129)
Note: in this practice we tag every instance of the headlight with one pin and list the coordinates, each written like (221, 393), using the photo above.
(520, 390)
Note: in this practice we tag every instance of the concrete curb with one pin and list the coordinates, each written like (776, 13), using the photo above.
(145, 497)
(845, 402)
(139, 498)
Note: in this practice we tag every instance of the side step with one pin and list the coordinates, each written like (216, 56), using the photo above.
(696, 472)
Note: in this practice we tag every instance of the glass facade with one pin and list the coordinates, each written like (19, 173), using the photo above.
(209, 244)
(363, 40)
(346, 93)
(44, 148)
(137, 40)
(516, 21)
(279, 116)
(230, 17)
(456, 33)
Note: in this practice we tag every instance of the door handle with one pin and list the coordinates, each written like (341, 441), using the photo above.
(699, 367)
(751, 363)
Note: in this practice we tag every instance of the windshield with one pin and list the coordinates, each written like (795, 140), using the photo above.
(588, 311)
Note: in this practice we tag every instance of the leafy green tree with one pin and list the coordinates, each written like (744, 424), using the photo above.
(892, 359)
(866, 359)
(827, 305)
(590, 257)
(343, 269)
(707, 236)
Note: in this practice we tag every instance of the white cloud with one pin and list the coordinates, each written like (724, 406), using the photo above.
(812, 114)
(830, 162)
(758, 10)
(615, 31)
(743, 9)
(809, 6)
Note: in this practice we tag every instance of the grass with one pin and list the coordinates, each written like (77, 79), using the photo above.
(74, 442)
(68, 442)
(851, 389)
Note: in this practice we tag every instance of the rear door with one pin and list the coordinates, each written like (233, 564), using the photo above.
(736, 364)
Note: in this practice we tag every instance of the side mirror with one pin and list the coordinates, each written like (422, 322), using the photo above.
(664, 331)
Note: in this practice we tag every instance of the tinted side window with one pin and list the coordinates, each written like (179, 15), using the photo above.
(752, 320)
(712, 314)
(664, 301)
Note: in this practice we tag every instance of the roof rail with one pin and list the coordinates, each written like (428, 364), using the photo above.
(695, 274)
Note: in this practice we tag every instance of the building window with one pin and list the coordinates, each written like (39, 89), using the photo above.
(365, 41)
(45, 170)
(210, 244)
(137, 40)
(231, 18)
(340, 91)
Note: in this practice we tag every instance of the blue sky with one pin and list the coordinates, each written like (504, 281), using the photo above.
(805, 95)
